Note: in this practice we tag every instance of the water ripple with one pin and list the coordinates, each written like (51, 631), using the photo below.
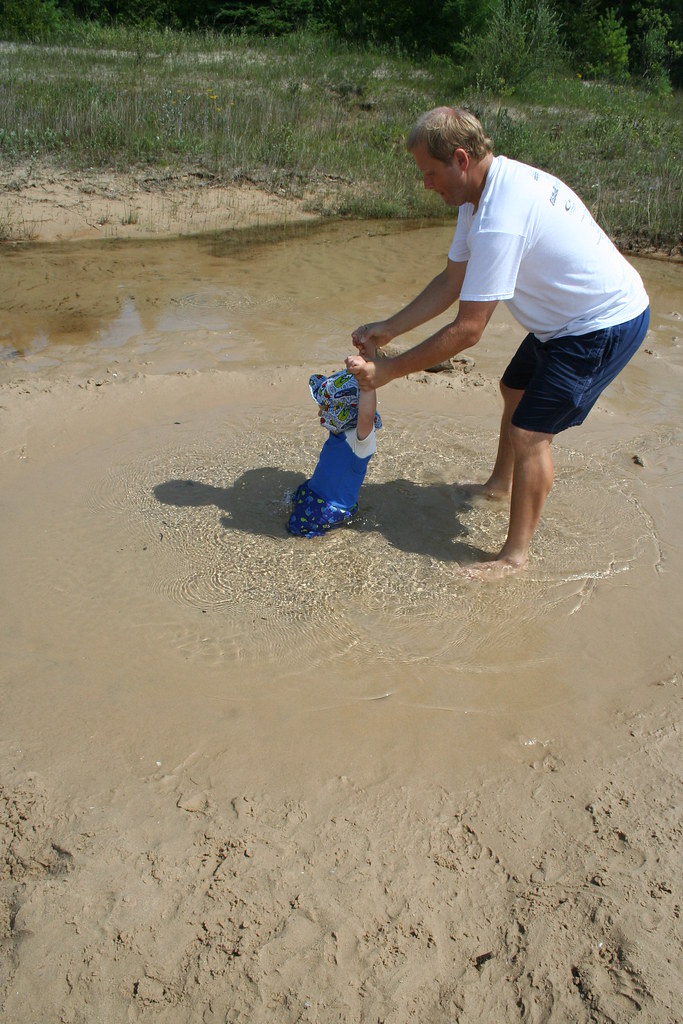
(213, 513)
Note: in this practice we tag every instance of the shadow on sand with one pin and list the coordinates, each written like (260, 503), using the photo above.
(417, 518)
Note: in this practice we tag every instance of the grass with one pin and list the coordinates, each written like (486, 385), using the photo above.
(13, 227)
(326, 121)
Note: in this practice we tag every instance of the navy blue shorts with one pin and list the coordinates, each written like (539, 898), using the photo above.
(562, 379)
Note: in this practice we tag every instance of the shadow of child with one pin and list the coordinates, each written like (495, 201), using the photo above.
(418, 518)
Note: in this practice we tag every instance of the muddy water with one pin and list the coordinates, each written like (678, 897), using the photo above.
(154, 602)
(207, 302)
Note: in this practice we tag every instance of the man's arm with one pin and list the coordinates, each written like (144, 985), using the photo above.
(441, 292)
(464, 332)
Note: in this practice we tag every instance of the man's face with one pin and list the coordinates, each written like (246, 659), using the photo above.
(449, 180)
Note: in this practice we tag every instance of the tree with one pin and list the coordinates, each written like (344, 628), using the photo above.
(657, 52)
(267, 17)
(654, 29)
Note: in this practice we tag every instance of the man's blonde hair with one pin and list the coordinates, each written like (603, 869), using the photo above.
(447, 128)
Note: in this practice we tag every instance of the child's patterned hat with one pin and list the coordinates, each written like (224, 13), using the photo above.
(337, 397)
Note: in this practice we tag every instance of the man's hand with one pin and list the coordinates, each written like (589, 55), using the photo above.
(375, 335)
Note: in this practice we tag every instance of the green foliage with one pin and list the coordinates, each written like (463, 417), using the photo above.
(274, 18)
(598, 40)
(412, 26)
(640, 37)
(159, 13)
(656, 50)
(28, 19)
(145, 13)
(307, 114)
(501, 41)
(521, 40)
(610, 47)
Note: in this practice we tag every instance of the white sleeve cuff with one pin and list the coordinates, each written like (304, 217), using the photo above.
(363, 449)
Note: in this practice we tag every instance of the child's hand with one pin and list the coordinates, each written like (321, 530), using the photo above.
(355, 363)
(363, 371)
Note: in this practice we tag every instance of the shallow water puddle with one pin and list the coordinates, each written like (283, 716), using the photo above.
(215, 511)
(156, 506)
(202, 302)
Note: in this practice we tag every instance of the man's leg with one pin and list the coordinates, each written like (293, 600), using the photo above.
(532, 479)
(531, 483)
(499, 484)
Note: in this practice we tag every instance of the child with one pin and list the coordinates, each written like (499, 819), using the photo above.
(330, 497)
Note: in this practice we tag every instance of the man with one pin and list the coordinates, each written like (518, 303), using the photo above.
(524, 238)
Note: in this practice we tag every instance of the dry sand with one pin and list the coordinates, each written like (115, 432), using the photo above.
(245, 778)
(48, 204)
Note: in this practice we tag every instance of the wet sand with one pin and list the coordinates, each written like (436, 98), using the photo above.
(245, 777)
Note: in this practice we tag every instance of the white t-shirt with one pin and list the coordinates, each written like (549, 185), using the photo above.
(533, 244)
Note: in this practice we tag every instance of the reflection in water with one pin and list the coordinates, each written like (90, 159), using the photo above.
(87, 294)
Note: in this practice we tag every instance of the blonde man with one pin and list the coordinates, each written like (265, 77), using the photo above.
(523, 238)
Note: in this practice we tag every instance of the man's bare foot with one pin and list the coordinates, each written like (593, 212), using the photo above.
(488, 491)
(495, 569)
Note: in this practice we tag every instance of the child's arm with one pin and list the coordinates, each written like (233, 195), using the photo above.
(367, 400)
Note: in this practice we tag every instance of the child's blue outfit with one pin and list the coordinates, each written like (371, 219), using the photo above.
(330, 497)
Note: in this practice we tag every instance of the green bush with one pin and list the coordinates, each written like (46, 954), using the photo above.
(522, 39)
(275, 18)
(610, 47)
(599, 42)
(28, 19)
(411, 26)
(656, 51)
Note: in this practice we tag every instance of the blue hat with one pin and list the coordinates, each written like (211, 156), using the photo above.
(337, 397)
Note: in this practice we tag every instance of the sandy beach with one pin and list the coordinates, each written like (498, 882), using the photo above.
(250, 778)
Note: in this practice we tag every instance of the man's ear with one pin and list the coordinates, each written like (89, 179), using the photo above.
(461, 157)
